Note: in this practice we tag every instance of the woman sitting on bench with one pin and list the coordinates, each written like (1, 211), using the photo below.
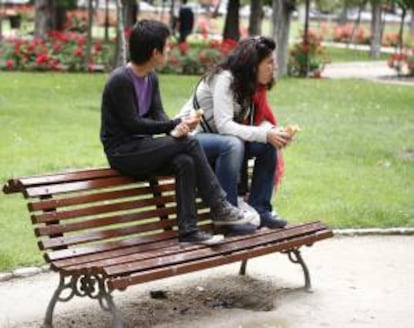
(132, 114)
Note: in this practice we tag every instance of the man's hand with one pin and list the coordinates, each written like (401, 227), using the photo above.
(181, 130)
(191, 121)
(278, 138)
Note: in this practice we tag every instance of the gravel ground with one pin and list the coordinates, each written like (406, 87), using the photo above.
(364, 281)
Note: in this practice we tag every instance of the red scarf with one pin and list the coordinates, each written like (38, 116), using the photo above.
(264, 113)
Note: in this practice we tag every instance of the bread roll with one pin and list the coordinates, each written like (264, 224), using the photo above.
(291, 129)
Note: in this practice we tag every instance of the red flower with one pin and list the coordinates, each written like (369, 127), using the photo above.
(127, 32)
(306, 47)
(78, 52)
(9, 63)
(184, 46)
(173, 60)
(41, 59)
(227, 46)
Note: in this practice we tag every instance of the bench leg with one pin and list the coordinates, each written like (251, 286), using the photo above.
(92, 286)
(242, 270)
(295, 257)
(48, 322)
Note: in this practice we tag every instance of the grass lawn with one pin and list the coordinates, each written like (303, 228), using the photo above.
(352, 164)
(336, 55)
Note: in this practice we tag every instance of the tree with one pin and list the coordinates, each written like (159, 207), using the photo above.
(405, 6)
(51, 15)
(375, 49)
(88, 50)
(231, 25)
(43, 17)
(282, 12)
(130, 12)
(256, 17)
(412, 23)
(120, 49)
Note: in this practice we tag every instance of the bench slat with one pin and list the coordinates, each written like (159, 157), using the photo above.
(260, 237)
(103, 235)
(71, 253)
(228, 246)
(54, 229)
(76, 186)
(101, 209)
(69, 176)
(106, 195)
(60, 228)
(152, 244)
(218, 259)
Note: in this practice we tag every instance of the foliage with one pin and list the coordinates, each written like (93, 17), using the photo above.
(307, 58)
(59, 51)
(344, 33)
(403, 62)
(196, 59)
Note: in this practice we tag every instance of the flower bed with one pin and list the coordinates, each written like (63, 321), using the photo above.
(403, 62)
(58, 51)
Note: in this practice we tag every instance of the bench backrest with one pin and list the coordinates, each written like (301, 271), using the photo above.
(97, 210)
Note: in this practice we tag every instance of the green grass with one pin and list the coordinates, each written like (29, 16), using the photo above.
(351, 54)
(352, 164)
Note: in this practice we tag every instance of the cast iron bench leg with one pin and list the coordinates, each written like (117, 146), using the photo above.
(81, 285)
(242, 270)
(295, 257)
(51, 307)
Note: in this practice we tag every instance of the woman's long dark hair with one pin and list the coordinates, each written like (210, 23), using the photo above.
(243, 63)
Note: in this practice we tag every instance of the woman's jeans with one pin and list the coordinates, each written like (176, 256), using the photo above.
(228, 153)
(182, 157)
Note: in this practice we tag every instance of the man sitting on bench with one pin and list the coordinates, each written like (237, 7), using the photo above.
(132, 115)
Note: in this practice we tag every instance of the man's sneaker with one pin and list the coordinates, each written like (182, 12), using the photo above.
(201, 238)
(272, 221)
(227, 214)
(236, 229)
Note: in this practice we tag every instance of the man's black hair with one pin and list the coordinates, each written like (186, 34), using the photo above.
(147, 35)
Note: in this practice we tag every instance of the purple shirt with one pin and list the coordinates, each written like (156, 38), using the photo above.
(143, 91)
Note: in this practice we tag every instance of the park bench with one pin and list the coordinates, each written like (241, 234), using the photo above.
(102, 232)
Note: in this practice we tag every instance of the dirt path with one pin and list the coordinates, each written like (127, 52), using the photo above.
(358, 282)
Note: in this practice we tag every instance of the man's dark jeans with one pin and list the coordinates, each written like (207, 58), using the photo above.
(185, 159)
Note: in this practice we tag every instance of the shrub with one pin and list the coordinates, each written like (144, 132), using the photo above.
(58, 51)
(196, 59)
(307, 58)
(403, 62)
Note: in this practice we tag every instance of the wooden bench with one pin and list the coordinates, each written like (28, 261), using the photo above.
(103, 232)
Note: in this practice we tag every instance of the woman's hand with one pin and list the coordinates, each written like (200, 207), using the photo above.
(278, 138)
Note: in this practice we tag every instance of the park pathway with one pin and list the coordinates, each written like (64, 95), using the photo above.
(359, 282)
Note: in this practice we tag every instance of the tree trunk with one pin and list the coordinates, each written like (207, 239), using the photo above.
(375, 49)
(282, 10)
(401, 31)
(120, 50)
(343, 17)
(412, 23)
(88, 50)
(356, 26)
(256, 17)
(59, 18)
(130, 12)
(231, 25)
(43, 17)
